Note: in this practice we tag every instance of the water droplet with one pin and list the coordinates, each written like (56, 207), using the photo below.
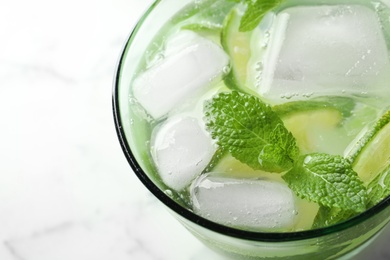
(132, 101)
(259, 66)
(307, 159)
(307, 95)
(159, 57)
(226, 69)
(199, 162)
(169, 193)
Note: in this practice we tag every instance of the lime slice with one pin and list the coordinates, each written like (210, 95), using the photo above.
(314, 130)
(225, 164)
(329, 216)
(243, 49)
(379, 187)
(237, 46)
(316, 124)
(370, 154)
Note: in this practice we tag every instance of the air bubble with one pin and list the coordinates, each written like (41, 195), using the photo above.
(133, 101)
(259, 66)
(226, 70)
(169, 193)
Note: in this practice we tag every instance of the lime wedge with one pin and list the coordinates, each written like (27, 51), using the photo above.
(224, 164)
(370, 154)
(316, 124)
(314, 130)
(379, 187)
(237, 46)
(243, 49)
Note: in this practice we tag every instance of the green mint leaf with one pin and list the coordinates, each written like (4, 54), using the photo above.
(379, 187)
(328, 180)
(250, 131)
(256, 10)
(330, 216)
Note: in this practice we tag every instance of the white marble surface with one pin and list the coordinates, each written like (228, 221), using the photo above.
(66, 190)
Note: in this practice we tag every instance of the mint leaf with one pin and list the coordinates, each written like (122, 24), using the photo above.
(329, 216)
(250, 131)
(256, 10)
(379, 187)
(328, 180)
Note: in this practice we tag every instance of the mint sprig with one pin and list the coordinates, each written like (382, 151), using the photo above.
(328, 180)
(254, 134)
(250, 131)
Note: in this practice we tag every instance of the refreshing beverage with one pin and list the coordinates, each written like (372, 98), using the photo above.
(264, 120)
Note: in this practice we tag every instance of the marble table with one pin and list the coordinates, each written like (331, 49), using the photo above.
(66, 190)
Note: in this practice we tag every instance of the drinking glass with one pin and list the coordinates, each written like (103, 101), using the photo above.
(339, 241)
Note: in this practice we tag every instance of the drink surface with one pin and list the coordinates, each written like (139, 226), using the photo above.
(268, 117)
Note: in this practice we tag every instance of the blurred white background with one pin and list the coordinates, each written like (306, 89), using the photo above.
(66, 190)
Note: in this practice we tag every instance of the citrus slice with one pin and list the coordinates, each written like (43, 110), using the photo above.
(314, 130)
(237, 45)
(244, 51)
(316, 123)
(224, 164)
(379, 187)
(370, 155)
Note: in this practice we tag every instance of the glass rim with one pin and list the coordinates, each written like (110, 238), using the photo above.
(193, 217)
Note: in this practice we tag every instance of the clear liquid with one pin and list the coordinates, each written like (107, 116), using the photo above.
(315, 131)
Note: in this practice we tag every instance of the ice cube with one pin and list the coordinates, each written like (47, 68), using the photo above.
(325, 49)
(181, 149)
(191, 62)
(256, 204)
